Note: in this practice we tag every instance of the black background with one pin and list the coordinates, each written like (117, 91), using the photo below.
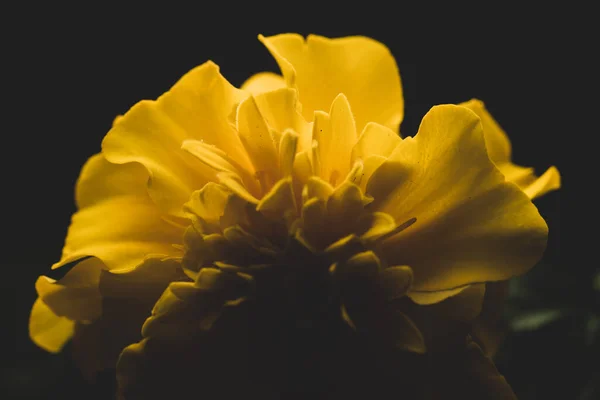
(71, 71)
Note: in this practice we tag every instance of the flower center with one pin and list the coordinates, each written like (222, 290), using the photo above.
(329, 225)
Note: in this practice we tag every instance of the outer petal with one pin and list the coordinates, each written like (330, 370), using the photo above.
(151, 133)
(127, 300)
(263, 82)
(117, 221)
(490, 327)
(472, 225)
(76, 295)
(446, 324)
(361, 68)
(496, 140)
(61, 303)
(104, 311)
(48, 330)
(529, 182)
(499, 149)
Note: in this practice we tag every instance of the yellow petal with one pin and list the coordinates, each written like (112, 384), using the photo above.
(151, 133)
(362, 266)
(212, 156)
(375, 225)
(303, 168)
(362, 282)
(446, 323)
(48, 330)
(100, 180)
(345, 204)
(280, 201)
(316, 187)
(222, 162)
(499, 149)
(356, 277)
(117, 221)
(496, 141)
(355, 174)
(185, 307)
(404, 334)
(435, 296)
(314, 212)
(321, 68)
(526, 179)
(370, 165)
(258, 141)
(75, 296)
(375, 140)
(127, 298)
(315, 153)
(234, 183)
(263, 82)
(396, 281)
(287, 152)
(281, 111)
(209, 203)
(144, 283)
(335, 134)
(344, 248)
(472, 226)
(235, 211)
(464, 306)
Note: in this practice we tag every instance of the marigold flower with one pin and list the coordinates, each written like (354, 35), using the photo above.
(296, 189)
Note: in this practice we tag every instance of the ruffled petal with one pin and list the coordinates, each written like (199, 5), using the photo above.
(263, 82)
(359, 67)
(499, 149)
(529, 182)
(127, 300)
(75, 296)
(103, 311)
(472, 226)
(197, 107)
(117, 221)
(48, 330)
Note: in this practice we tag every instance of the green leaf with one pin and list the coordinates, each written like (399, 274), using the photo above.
(536, 319)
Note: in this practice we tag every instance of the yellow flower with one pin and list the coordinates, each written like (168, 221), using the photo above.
(292, 187)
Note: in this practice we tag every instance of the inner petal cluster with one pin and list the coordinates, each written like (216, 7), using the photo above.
(302, 186)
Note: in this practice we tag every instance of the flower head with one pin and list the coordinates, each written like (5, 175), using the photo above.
(296, 190)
